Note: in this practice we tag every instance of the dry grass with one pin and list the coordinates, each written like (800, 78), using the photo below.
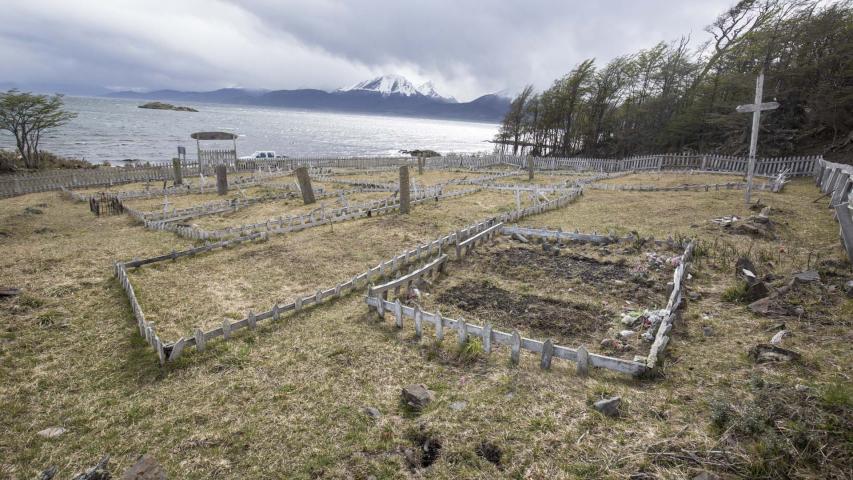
(544, 179)
(286, 400)
(673, 179)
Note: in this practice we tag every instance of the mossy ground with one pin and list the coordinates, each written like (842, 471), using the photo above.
(286, 400)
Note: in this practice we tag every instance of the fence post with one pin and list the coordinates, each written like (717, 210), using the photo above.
(583, 361)
(515, 352)
(305, 185)
(404, 189)
(221, 180)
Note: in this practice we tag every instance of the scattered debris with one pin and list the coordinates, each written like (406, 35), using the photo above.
(626, 334)
(609, 406)
(764, 353)
(520, 238)
(744, 263)
(146, 468)
(417, 396)
(777, 339)
(806, 277)
(760, 306)
(98, 472)
(52, 432)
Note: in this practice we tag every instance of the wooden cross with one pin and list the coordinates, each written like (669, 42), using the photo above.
(756, 109)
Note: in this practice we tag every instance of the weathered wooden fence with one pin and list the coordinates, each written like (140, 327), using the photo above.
(23, 183)
(836, 180)
(377, 298)
(170, 351)
(317, 217)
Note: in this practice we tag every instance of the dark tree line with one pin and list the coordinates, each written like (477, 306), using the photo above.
(675, 98)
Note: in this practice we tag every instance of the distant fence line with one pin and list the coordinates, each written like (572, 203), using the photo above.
(23, 183)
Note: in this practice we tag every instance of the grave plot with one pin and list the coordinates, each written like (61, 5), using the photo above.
(489, 203)
(578, 296)
(294, 205)
(595, 300)
(260, 275)
(288, 265)
(186, 201)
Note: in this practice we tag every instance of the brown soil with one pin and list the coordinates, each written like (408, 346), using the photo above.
(559, 318)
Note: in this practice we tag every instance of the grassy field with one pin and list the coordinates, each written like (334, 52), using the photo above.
(287, 401)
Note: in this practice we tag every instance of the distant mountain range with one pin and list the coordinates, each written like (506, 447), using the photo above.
(385, 95)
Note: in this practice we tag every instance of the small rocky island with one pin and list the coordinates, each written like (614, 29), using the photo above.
(167, 106)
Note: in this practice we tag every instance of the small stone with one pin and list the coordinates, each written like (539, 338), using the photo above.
(848, 288)
(806, 277)
(459, 405)
(694, 296)
(764, 353)
(417, 395)
(777, 339)
(51, 432)
(707, 331)
(611, 344)
(761, 307)
(801, 388)
(373, 412)
(639, 359)
(627, 334)
(756, 291)
(146, 468)
(742, 264)
(609, 406)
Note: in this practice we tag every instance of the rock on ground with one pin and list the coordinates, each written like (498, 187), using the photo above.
(765, 353)
(51, 432)
(417, 395)
(146, 468)
(609, 406)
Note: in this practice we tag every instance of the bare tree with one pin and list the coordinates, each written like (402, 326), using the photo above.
(27, 116)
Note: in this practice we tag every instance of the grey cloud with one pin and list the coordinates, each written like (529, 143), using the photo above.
(466, 48)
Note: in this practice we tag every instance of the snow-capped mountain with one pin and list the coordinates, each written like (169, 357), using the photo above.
(428, 90)
(385, 95)
(396, 85)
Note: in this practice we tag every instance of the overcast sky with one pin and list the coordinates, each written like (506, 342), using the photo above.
(466, 48)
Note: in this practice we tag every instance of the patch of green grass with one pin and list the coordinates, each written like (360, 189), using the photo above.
(735, 293)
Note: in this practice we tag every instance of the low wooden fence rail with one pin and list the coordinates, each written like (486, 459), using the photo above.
(464, 247)
(377, 298)
(546, 349)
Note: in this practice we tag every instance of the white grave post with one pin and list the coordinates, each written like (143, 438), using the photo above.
(756, 109)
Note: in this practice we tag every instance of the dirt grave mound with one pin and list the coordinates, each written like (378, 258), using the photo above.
(559, 318)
